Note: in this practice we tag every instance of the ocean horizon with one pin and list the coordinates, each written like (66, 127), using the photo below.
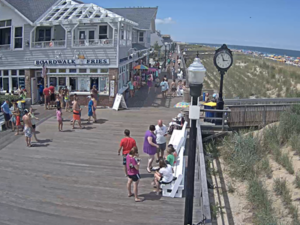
(265, 50)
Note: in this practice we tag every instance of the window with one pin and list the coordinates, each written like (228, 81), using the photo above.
(62, 81)
(103, 32)
(15, 83)
(44, 34)
(53, 81)
(82, 70)
(14, 72)
(52, 71)
(1, 85)
(5, 84)
(5, 37)
(141, 36)
(104, 86)
(5, 72)
(94, 81)
(72, 71)
(73, 83)
(104, 71)
(21, 72)
(5, 23)
(93, 70)
(91, 35)
(22, 82)
(62, 70)
(19, 37)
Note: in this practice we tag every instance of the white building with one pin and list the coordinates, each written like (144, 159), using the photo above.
(79, 44)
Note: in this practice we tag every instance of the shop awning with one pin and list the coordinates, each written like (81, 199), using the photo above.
(138, 47)
(70, 13)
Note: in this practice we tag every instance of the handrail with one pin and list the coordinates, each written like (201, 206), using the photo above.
(260, 100)
(93, 42)
(48, 44)
(204, 195)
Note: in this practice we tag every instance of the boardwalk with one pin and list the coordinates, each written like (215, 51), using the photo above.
(76, 177)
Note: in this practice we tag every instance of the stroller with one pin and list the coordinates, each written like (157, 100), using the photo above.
(176, 123)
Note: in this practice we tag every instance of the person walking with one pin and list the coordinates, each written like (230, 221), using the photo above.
(149, 82)
(27, 128)
(6, 112)
(59, 118)
(179, 62)
(33, 122)
(67, 98)
(131, 88)
(133, 166)
(94, 91)
(46, 93)
(91, 109)
(161, 132)
(150, 146)
(126, 144)
(164, 88)
(76, 112)
(173, 88)
(52, 94)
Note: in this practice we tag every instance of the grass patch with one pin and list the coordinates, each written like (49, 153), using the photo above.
(265, 167)
(294, 141)
(297, 180)
(242, 153)
(258, 196)
(281, 189)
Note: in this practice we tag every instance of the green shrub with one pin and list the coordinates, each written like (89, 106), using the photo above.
(265, 167)
(9, 98)
(242, 152)
(289, 124)
(294, 141)
(258, 196)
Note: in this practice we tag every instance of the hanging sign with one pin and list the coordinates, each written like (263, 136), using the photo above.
(112, 88)
(72, 62)
(119, 101)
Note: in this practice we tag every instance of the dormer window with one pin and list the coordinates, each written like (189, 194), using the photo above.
(141, 36)
(5, 34)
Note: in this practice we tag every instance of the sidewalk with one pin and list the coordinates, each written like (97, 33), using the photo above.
(75, 177)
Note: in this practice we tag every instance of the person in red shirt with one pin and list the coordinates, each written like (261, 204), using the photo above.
(47, 97)
(52, 96)
(126, 144)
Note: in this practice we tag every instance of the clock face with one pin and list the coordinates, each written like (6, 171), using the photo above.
(223, 60)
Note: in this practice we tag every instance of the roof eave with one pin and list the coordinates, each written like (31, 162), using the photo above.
(17, 11)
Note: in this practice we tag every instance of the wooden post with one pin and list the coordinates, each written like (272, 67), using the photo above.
(223, 121)
(265, 116)
(244, 121)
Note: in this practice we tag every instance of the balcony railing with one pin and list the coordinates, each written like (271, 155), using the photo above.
(5, 47)
(93, 43)
(48, 44)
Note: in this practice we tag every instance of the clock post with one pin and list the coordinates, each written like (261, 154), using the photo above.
(223, 60)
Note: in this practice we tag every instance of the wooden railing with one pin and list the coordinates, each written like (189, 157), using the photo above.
(93, 43)
(202, 214)
(49, 44)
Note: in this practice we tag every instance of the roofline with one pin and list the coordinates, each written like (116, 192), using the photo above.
(18, 12)
(48, 10)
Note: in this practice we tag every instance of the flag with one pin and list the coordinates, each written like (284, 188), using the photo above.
(44, 71)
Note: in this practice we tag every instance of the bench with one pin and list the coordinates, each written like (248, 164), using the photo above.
(175, 189)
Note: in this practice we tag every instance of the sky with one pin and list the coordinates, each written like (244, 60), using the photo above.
(261, 23)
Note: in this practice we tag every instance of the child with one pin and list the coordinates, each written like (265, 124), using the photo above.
(59, 118)
(133, 173)
(172, 155)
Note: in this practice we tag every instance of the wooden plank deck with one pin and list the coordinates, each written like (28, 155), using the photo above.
(76, 177)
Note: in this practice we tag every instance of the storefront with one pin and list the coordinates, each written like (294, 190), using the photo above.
(11, 80)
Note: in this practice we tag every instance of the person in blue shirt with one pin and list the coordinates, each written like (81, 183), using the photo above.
(164, 88)
(6, 112)
(41, 89)
(131, 87)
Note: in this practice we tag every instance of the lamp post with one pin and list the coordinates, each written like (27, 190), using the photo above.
(166, 55)
(196, 74)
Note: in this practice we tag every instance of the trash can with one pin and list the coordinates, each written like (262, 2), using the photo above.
(209, 105)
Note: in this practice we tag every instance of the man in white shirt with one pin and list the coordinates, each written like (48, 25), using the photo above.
(161, 133)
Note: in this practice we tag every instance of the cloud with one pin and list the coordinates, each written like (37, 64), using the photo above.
(167, 20)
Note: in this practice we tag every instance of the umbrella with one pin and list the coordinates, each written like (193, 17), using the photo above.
(152, 69)
(182, 105)
(140, 67)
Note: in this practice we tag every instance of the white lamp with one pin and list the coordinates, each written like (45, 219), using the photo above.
(196, 72)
